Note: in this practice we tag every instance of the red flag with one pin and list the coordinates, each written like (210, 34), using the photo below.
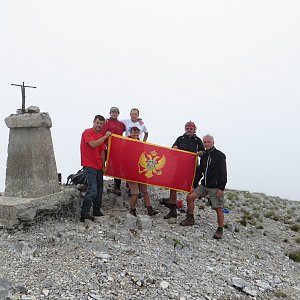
(143, 162)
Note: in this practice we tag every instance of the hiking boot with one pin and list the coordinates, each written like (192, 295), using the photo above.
(172, 213)
(117, 191)
(98, 213)
(86, 217)
(133, 211)
(219, 233)
(188, 221)
(151, 211)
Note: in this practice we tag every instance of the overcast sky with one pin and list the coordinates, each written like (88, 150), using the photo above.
(232, 67)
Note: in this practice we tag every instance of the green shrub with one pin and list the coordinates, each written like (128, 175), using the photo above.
(295, 256)
(247, 195)
(231, 196)
(295, 227)
(248, 217)
(244, 222)
(259, 227)
(269, 214)
(297, 240)
(280, 294)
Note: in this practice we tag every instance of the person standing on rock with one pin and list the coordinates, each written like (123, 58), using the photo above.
(92, 160)
(136, 187)
(117, 127)
(214, 171)
(190, 142)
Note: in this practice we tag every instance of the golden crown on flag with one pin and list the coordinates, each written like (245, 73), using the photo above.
(152, 164)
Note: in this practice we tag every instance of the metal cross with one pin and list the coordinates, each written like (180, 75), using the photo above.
(23, 93)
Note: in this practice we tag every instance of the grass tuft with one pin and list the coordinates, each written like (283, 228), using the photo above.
(295, 256)
(295, 227)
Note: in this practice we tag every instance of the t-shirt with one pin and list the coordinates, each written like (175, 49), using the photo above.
(91, 157)
(114, 126)
(129, 124)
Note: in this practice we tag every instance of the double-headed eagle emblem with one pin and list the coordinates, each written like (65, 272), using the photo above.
(152, 164)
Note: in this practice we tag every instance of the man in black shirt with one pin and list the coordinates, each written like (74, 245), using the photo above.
(213, 168)
(190, 142)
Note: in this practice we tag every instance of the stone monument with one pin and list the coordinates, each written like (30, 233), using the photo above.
(32, 188)
(31, 168)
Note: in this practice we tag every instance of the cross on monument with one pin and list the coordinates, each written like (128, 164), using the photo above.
(23, 93)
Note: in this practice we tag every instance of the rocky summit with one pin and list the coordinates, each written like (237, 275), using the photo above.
(119, 256)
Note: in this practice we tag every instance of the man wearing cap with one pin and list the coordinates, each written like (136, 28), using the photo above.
(117, 127)
(190, 142)
(213, 182)
(134, 121)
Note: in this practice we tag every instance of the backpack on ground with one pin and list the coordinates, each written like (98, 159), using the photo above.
(78, 178)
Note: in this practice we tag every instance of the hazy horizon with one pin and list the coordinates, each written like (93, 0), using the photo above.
(231, 67)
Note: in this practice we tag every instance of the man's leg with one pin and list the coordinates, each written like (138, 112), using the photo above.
(91, 193)
(220, 216)
(217, 204)
(117, 186)
(190, 199)
(173, 210)
(146, 195)
(198, 192)
(97, 203)
(133, 198)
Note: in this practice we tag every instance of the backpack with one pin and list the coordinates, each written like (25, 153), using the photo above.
(78, 178)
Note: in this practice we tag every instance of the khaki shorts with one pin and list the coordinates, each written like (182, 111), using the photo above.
(215, 201)
(135, 188)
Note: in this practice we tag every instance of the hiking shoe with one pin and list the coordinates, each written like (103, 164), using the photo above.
(151, 211)
(98, 213)
(188, 221)
(172, 213)
(86, 217)
(219, 233)
(133, 211)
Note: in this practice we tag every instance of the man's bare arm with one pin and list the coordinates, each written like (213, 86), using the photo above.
(145, 137)
(98, 142)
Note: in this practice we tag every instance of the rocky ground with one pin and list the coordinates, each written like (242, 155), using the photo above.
(122, 257)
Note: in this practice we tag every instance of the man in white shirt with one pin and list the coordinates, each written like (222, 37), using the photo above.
(134, 121)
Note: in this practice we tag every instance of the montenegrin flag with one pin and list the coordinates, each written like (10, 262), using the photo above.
(142, 162)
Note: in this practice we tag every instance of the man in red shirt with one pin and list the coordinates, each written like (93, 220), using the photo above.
(92, 159)
(114, 126)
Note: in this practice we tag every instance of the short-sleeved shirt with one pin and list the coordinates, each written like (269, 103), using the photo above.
(114, 126)
(129, 124)
(91, 157)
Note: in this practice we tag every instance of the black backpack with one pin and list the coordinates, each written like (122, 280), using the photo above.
(78, 178)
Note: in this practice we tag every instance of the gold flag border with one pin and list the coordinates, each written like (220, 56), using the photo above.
(138, 141)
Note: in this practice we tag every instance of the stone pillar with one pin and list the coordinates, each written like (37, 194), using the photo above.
(31, 168)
